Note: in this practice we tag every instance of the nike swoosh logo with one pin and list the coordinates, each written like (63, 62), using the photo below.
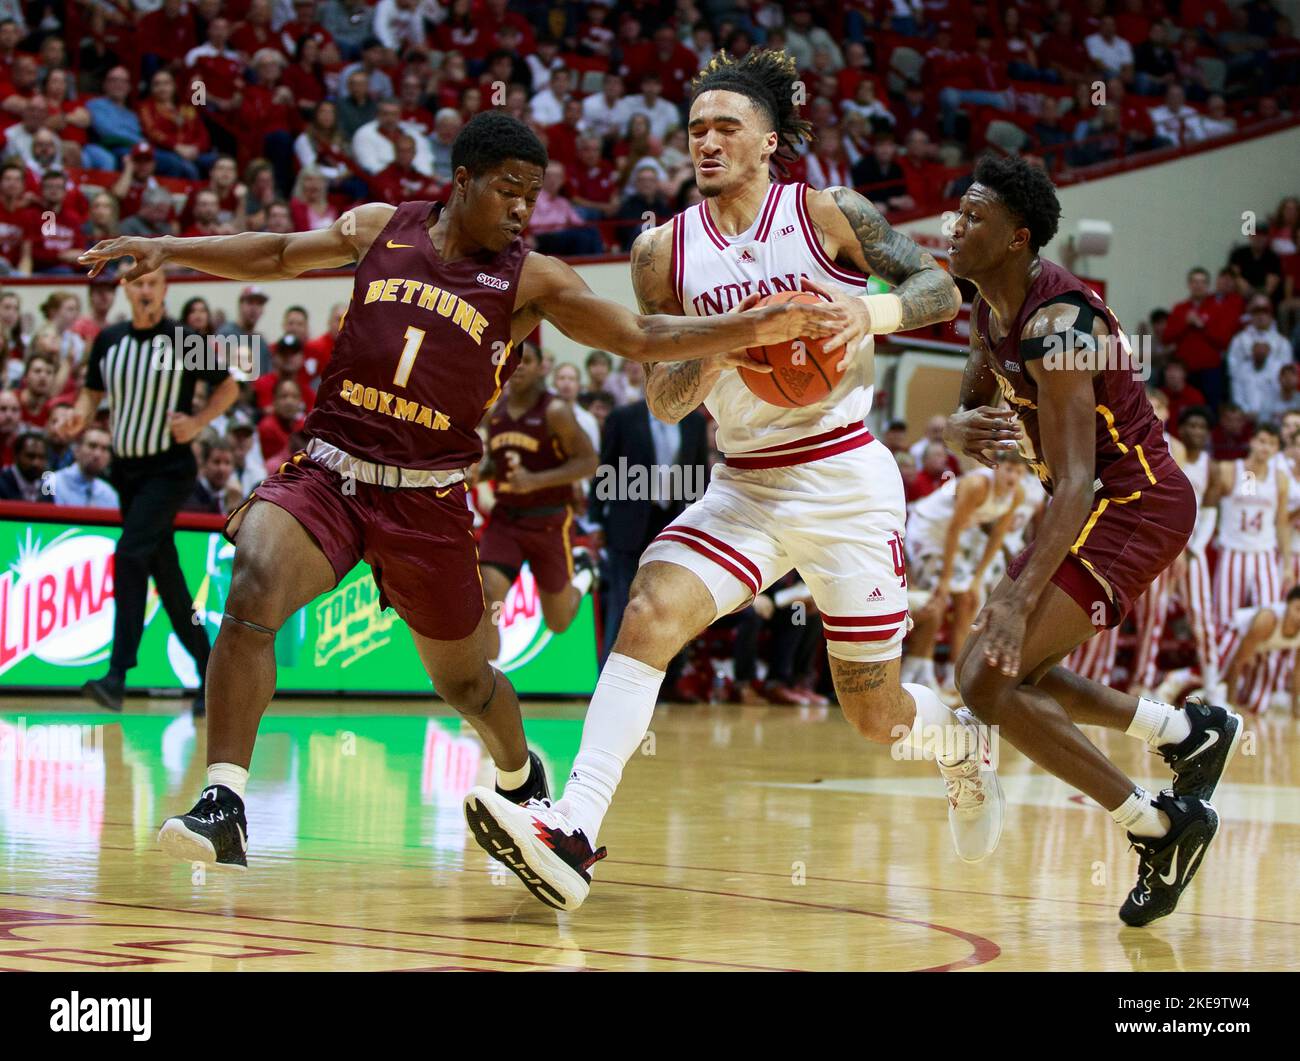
(1211, 738)
(394, 246)
(243, 840)
(1173, 872)
(444, 493)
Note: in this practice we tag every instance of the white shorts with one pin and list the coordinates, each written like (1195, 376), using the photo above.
(838, 521)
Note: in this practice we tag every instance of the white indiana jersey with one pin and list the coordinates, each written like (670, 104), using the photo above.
(713, 272)
(1278, 639)
(927, 525)
(1198, 474)
(1248, 516)
(1035, 495)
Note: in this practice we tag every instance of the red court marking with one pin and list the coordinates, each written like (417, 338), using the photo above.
(117, 961)
(983, 950)
(397, 931)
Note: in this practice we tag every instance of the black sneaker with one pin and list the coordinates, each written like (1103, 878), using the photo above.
(1167, 864)
(534, 788)
(583, 560)
(105, 692)
(544, 849)
(214, 831)
(1199, 761)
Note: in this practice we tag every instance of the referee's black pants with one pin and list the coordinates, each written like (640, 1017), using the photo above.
(150, 492)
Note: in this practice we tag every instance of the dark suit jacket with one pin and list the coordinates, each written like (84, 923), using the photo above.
(202, 500)
(627, 435)
(11, 491)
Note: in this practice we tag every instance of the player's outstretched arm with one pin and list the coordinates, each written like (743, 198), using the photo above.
(553, 291)
(849, 227)
(249, 255)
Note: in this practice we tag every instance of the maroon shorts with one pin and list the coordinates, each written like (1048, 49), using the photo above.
(419, 543)
(1126, 542)
(509, 539)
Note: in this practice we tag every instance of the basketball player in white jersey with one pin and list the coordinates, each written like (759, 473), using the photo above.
(1257, 649)
(948, 553)
(807, 488)
(1190, 574)
(1254, 529)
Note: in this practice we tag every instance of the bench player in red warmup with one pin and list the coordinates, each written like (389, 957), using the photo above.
(1121, 512)
(443, 295)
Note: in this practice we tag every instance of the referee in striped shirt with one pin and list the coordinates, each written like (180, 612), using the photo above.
(150, 389)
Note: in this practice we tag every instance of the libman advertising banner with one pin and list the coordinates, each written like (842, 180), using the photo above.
(56, 623)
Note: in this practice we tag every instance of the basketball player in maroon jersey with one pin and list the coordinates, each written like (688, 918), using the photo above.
(539, 451)
(1121, 512)
(442, 296)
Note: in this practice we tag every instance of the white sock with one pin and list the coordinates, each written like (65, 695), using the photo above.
(509, 780)
(228, 774)
(925, 676)
(1140, 816)
(1159, 723)
(907, 670)
(582, 580)
(936, 732)
(617, 720)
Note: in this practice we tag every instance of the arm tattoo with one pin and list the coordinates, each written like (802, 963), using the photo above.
(927, 292)
(674, 388)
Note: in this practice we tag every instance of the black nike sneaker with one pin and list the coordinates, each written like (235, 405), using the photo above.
(545, 850)
(1199, 761)
(534, 788)
(583, 560)
(214, 831)
(1167, 864)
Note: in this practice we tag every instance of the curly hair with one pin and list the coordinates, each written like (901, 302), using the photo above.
(769, 79)
(1027, 192)
(491, 138)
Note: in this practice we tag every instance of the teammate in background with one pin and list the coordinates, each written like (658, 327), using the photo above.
(1121, 512)
(1259, 649)
(806, 488)
(1152, 608)
(1254, 529)
(442, 295)
(1189, 575)
(539, 452)
(948, 553)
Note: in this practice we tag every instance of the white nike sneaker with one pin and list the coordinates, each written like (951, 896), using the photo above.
(976, 805)
(545, 850)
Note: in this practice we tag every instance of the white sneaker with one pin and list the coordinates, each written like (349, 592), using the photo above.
(540, 845)
(976, 805)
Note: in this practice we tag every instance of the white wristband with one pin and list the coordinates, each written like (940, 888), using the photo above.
(886, 312)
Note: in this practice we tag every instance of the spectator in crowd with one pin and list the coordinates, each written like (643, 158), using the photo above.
(154, 218)
(1256, 266)
(1255, 357)
(215, 490)
(206, 219)
(318, 351)
(288, 361)
(114, 121)
(1200, 328)
(16, 203)
(251, 306)
(11, 422)
(18, 138)
(547, 105)
(373, 145)
(604, 114)
(934, 430)
(310, 206)
(1232, 435)
(259, 182)
(594, 182)
(13, 343)
(103, 292)
(1174, 121)
(1061, 51)
(555, 226)
(54, 230)
(566, 382)
(400, 181)
(102, 222)
(40, 377)
(936, 468)
(598, 366)
(447, 124)
(1155, 66)
(68, 116)
(1111, 53)
(82, 483)
(645, 206)
(803, 39)
(1217, 121)
(866, 103)
(880, 178)
(627, 385)
(269, 113)
(246, 452)
(1286, 399)
(399, 25)
(661, 114)
(220, 69)
(323, 145)
(1179, 394)
(139, 174)
(637, 149)
(827, 165)
(349, 22)
(358, 106)
(284, 419)
(179, 137)
(25, 479)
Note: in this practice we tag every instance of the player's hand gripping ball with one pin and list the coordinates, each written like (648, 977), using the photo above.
(803, 371)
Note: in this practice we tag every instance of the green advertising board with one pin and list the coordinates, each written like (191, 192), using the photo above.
(56, 623)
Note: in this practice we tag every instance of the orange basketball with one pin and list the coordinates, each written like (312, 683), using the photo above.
(802, 371)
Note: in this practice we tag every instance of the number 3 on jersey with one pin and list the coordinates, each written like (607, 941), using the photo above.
(414, 337)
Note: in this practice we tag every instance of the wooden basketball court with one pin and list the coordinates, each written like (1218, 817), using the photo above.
(742, 838)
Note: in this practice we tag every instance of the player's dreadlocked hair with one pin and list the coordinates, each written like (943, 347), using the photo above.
(491, 138)
(1026, 191)
(768, 78)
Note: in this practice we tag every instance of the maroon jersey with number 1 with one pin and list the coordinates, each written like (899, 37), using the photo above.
(423, 352)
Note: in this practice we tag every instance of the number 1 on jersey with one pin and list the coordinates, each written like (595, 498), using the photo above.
(414, 337)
